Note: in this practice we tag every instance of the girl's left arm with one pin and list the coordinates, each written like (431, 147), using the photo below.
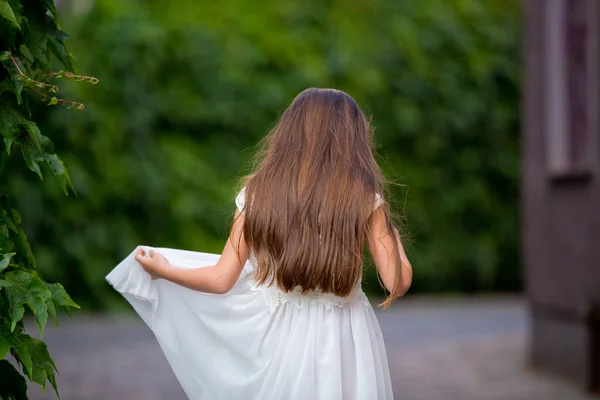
(218, 278)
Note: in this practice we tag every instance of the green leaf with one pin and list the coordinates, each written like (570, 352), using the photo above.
(31, 353)
(26, 289)
(18, 81)
(12, 384)
(58, 169)
(32, 156)
(43, 367)
(16, 218)
(60, 295)
(51, 8)
(12, 340)
(36, 41)
(52, 310)
(21, 244)
(17, 86)
(7, 340)
(16, 340)
(4, 283)
(26, 53)
(5, 259)
(7, 12)
(53, 101)
(34, 134)
(5, 86)
(9, 139)
(9, 125)
(57, 47)
(8, 221)
(37, 44)
(33, 149)
(5, 243)
(22, 354)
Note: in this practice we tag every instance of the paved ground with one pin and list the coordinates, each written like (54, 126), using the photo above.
(438, 349)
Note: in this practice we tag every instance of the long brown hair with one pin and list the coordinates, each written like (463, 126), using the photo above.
(310, 199)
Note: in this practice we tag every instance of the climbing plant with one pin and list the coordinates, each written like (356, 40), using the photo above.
(30, 45)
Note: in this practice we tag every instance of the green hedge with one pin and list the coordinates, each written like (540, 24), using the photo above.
(187, 90)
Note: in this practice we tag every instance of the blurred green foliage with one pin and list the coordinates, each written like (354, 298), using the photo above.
(188, 89)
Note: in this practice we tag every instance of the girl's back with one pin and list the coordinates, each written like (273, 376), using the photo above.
(280, 313)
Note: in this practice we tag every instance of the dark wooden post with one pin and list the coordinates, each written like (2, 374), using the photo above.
(561, 189)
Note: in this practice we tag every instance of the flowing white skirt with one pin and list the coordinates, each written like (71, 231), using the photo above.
(256, 342)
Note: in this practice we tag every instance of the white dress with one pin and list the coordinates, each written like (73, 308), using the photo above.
(259, 343)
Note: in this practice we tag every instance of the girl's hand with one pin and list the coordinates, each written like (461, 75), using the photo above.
(153, 263)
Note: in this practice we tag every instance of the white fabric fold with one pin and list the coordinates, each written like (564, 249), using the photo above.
(258, 343)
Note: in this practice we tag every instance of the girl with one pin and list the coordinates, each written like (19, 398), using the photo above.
(280, 314)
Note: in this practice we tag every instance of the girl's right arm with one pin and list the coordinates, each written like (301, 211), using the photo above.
(218, 278)
(381, 247)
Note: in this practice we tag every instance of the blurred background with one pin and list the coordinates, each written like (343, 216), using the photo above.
(186, 91)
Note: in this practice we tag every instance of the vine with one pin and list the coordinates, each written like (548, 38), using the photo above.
(30, 40)
(51, 88)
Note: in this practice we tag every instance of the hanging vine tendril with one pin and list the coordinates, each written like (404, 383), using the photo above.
(51, 89)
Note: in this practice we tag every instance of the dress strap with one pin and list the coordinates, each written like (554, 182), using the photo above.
(240, 200)
(378, 201)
